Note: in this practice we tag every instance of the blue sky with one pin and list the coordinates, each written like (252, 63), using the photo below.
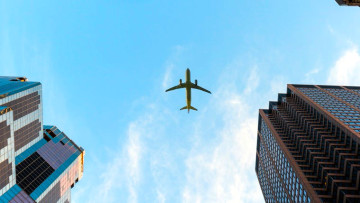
(105, 66)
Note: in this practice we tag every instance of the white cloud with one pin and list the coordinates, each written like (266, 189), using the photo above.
(330, 29)
(167, 76)
(124, 170)
(311, 73)
(252, 81)
(133, 153)
(225, 170)
(312, 76)
(171, 64)
(123, 175)
(346, 70)
(218, 167)
(160, 196)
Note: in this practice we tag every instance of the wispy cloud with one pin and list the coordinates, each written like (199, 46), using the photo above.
(252, 81)
(160, 197)
(122, 178)
(224, 169)
(311, 73)
(170, 64)
(219, 167)
(167, 76)
(215, 167)
(133, 153)
(346, 70)
(124, 169)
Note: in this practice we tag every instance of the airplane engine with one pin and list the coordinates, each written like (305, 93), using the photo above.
(196, 82)
(180, 81)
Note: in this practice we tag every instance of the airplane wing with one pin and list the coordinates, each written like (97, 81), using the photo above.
(199, 88)
(176, 87)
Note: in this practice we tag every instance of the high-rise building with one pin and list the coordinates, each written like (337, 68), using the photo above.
(308, 145)
(349, 2)
(38, 163)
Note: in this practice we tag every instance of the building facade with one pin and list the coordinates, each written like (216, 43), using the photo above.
(348, 2)
(308, 145)
(38, 163)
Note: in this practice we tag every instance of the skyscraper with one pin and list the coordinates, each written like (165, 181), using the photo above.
(308, 145)
(38, 163)
(349, 2)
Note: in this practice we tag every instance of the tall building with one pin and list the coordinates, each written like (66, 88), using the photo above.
(348, 2)
(38, 163)
(308, 145)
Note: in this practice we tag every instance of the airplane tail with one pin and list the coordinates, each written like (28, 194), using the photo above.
(191, 107)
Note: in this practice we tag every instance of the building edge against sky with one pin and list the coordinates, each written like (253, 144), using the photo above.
(349, 2)
(38, 163)
(308, 145)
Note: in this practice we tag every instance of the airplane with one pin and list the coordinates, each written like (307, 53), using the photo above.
(188, 85)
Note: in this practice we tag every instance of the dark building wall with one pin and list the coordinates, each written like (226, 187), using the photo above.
(5, 166)
(5, 172)
(6, 146)
(340, 2)
(27, 134)
(24, 105)
(4, 134)
(53, 195)
(349, 2)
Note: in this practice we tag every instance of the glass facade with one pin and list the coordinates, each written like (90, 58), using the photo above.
(38, 163)
(341, 103)
(308, 145)
(277, 177)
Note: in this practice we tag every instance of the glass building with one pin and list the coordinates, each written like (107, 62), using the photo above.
(38, 163)
(349, 2)
(308, 145)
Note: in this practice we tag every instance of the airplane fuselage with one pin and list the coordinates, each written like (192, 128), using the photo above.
(188, 88)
